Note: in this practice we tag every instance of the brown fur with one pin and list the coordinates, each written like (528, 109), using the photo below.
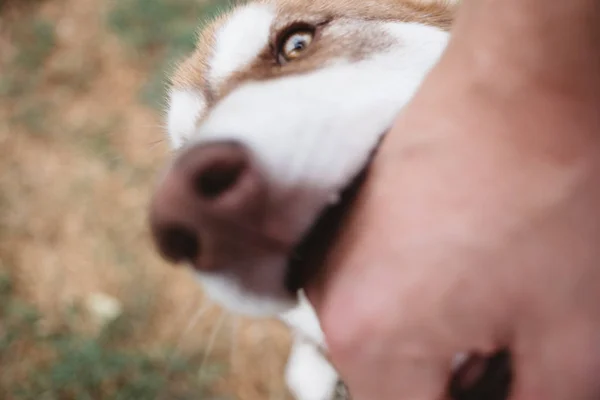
(267, 67)
(191, 73)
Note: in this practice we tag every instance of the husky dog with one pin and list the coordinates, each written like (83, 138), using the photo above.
(274, 118)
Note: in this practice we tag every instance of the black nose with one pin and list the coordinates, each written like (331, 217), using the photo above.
(217, 171)
(207, 187)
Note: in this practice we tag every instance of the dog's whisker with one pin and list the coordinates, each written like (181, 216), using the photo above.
(294, 142)
(211, 342)
(235, 324)
(189, 327)
(275, 391)
(153, 126)
(155, 143)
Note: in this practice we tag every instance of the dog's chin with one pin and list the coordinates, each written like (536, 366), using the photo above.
(308, 256)
(228, 293)
(301, 267)
(291, 272)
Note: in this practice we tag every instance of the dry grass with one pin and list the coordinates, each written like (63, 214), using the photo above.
(79, 147)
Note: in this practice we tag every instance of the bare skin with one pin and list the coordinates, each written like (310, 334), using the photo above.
(479, 225)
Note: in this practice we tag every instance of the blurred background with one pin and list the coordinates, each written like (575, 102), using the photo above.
(87, 309)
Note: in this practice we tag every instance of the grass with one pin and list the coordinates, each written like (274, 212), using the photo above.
(32, 115)
(78, 168)
(156, 31)
(96, 140)
(161, 31)
(67, 363)
(37, 39)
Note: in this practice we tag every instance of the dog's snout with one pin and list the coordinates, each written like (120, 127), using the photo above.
(177, 243)
(209, 190)
(217, 171)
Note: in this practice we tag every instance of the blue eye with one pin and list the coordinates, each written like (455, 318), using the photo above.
(295, 44)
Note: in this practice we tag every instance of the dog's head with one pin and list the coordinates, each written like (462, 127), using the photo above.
(274, 117)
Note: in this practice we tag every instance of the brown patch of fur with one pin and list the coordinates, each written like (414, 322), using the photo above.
(434, 13)
(192, 72)
(324, 48)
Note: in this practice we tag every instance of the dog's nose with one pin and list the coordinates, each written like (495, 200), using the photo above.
(209, 189)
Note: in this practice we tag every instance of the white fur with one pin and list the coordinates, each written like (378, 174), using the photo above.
(225, 289)
(304, 319)
(314, 130)
(185, 107)
(240, 40)
(308, 375)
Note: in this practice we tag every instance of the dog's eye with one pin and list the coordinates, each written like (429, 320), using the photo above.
(294, 44)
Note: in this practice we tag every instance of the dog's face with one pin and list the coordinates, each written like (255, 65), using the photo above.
(274, 115)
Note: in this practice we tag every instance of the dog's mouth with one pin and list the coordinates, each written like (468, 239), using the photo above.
(308, 256)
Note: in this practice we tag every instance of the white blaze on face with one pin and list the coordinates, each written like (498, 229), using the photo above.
(311, 132)
(239, 41)
(185, 107)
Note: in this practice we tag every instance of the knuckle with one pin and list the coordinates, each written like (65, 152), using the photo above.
(348, 332)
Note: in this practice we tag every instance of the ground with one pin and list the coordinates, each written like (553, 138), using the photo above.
(81, 142)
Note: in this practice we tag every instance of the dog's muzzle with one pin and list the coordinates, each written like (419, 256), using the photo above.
(212, 196)
(209, 206)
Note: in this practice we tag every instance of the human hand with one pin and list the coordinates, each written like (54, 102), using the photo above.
(475, 231)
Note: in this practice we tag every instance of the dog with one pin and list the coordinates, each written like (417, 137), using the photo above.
(273, 119)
